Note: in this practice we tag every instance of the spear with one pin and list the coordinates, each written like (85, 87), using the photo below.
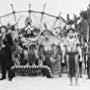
(18, 20)
(56, 20)
(13, 12)
(43, 12)
(29, 10)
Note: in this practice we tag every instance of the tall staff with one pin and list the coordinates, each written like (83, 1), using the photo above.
(13, 13)
(29, 11)
(43, 12)
(56, 20)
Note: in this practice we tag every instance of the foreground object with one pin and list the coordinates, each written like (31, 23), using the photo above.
(32, 71)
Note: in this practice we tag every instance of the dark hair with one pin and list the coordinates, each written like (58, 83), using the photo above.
(13, 28)
(36, 29)
(32, 46)
(47, 31)
(69, 30)
(53, 45)
(40, 46)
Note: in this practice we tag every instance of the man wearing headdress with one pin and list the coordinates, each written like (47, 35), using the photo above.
(28, 27)
(72, 52)
(50, 53)
(46, 47)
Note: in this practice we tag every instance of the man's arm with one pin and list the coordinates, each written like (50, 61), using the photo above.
(80, 53)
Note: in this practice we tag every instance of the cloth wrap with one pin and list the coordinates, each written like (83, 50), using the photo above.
(71, 62)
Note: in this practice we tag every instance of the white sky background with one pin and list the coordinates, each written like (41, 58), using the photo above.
(52, 7)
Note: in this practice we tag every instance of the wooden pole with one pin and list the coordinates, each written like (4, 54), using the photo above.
(55, 21)
(43, 12)
(13, 13)
(29, 11)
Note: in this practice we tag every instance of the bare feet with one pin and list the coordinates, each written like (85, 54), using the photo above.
(71, 84)
(76, 84)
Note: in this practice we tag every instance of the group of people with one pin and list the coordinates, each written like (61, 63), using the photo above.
(30, 46)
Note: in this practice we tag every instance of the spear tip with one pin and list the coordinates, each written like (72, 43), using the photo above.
(11, 4)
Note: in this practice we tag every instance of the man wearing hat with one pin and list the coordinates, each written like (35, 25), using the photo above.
(6, 58)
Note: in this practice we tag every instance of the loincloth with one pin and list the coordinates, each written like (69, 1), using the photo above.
(71, 62)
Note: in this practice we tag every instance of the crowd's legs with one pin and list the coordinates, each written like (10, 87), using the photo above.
(8, 69)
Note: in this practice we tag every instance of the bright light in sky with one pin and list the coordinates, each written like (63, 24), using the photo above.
(52, 6)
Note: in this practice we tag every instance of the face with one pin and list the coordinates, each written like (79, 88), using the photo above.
(28, 21)
(47, 37)
(71, 37)
(54, 47)
(70, 34)
(36, 32)
(9, 30)
(3, 30)
(29, 31)
(71, 31)
(57, 32)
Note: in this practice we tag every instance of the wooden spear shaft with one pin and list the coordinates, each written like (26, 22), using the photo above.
(56, 20)
(13, 12)
(29, 11)
(43, 12)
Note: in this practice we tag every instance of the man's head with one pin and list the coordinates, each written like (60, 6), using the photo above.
(70, 33)
(47, 34)
(32, 46)
(3, 29)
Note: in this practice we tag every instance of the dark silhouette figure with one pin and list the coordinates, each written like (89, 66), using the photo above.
(6, 58)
